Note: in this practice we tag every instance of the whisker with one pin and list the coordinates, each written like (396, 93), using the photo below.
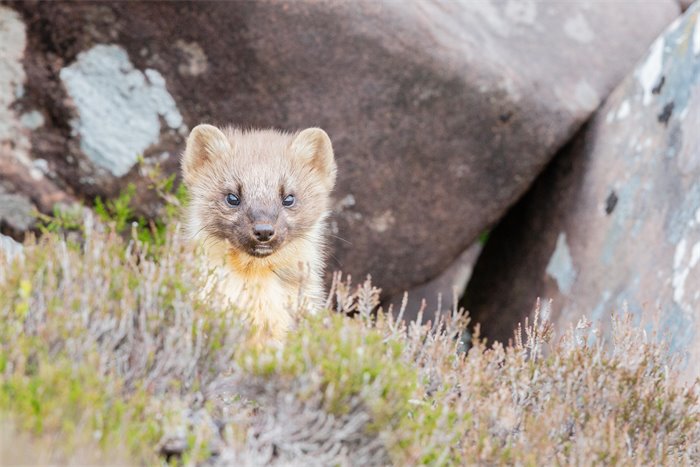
(337, 261)
(341, 239)
(199, 231)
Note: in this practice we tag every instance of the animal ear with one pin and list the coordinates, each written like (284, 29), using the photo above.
(204, 144)
(314, 147)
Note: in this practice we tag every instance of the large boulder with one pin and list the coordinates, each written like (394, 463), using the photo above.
(614, 223)
(24, 185)
(441, 113)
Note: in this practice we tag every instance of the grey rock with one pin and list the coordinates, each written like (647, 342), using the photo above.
(685, 4)
(441, 293)
(16, 211)
(9, 247)
(614, 223)
(442, 113)
(12, 44)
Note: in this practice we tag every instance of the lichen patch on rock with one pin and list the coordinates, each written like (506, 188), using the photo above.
(105, 87)
(648, 74)
(16, 211)
(9, 247)
(196, 61)
(12, 43)
(696, 36)
(561, 266)
(624, 110)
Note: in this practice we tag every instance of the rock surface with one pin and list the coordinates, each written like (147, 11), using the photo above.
(439, 294)
(615, 221)
(442, 113)
(24, 186)
(9, 247)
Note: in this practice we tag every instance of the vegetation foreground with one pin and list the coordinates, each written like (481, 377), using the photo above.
(108, 354)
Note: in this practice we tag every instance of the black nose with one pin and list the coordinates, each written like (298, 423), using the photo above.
(263, 232)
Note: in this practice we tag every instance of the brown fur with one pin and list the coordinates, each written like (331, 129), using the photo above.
(269, 281)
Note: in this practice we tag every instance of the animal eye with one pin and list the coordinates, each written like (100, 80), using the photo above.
(232, 200)
(288, 201)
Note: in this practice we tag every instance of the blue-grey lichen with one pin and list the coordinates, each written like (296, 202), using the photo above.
(561, 266)
(118, 107)
(12, 43)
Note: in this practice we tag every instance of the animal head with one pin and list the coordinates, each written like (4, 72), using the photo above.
(258, 189)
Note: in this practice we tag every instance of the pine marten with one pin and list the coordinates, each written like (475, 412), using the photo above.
(259, 200)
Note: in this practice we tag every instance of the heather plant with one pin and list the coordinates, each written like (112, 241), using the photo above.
(108, 345)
